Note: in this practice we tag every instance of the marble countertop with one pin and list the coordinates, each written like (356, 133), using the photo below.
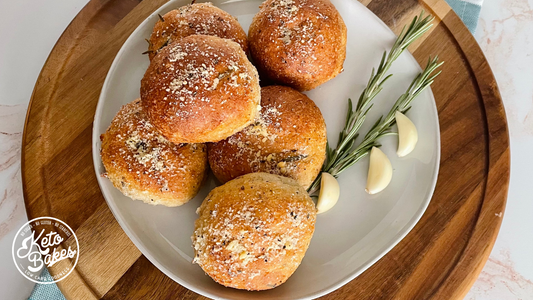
(505, 33)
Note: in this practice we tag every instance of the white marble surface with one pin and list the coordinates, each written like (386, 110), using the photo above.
(30, 28)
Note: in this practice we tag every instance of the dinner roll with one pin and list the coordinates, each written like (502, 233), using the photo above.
(253, 232)
(145, 166)
(200, 89)
(288, 139)
(199, 18)
(300, 43)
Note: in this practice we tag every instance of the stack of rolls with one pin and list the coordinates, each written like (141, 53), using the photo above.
(200, 87)
(201, 105)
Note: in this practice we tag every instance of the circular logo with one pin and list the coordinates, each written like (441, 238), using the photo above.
(45, 242)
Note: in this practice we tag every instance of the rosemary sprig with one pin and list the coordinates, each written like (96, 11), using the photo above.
(382, 127)
(356, 118)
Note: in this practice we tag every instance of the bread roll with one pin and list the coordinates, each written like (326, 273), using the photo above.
(200, 89)
(253, 232)
(300, 43)
(195, 19)
(145, 166)
(288, 139)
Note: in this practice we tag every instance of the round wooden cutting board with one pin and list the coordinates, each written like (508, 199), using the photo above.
(439, 259)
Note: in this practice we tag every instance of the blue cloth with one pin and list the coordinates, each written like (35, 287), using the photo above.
(468, 11)
(46, 291)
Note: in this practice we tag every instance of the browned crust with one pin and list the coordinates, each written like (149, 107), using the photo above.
(200, 89)
(253, 232)
(288, 139)
(195, 19)
(300, 43)
(143, 165)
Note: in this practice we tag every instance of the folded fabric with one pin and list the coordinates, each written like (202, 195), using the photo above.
(468, 11)
(46, 291)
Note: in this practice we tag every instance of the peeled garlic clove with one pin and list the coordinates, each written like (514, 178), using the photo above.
(379, 172)
(407, 135)
(329, 193)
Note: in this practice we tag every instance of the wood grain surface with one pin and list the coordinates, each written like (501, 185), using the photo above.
(439, 259)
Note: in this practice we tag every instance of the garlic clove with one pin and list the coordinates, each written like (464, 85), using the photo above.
(329, 193)
(407, 134)
(379, 172)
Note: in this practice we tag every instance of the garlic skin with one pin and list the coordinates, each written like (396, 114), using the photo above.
(379, 172)
(407, 134)
(329, 193)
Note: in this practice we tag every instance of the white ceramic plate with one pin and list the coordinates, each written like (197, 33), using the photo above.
(348, 239)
